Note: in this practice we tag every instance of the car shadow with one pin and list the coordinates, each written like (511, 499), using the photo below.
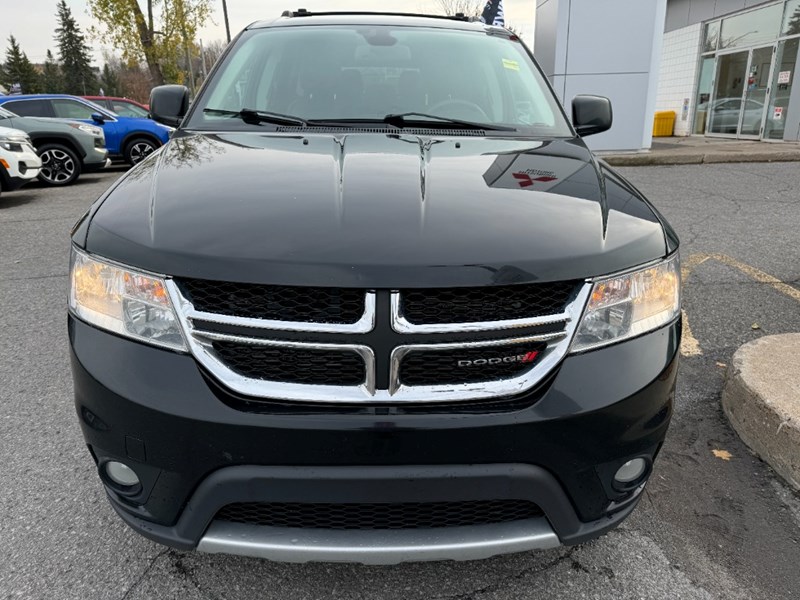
(13, 199)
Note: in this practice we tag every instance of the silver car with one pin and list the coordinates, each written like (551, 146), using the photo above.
(67, 148)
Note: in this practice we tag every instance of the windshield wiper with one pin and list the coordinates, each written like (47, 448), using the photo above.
(256, 117)
(407, 118)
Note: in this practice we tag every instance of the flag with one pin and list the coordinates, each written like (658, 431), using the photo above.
(493, 13)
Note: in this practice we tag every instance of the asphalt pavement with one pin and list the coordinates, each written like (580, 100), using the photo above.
(715, 522)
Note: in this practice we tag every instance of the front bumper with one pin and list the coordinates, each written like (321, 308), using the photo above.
(96, 159)
(9, 183)
(197, 449)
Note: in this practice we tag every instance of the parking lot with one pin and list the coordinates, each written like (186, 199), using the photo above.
(715, 522)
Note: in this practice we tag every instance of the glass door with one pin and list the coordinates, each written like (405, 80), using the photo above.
(725, 110)
(756, 92)
(741, 93)
(782, 80)
(703, 97)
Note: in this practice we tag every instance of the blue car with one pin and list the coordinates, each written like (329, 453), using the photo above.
(129, 138)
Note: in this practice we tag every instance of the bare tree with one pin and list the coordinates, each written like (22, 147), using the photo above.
(513, 29)
(213, 51)
(471, 8)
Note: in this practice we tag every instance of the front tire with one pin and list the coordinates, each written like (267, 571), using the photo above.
(138, 149)
(60, 165)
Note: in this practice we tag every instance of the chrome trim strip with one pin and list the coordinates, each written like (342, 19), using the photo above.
(401, 325)
(364, 325)
(204, 352)
(378, 547)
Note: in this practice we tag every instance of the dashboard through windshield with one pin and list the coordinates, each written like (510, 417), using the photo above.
(365, 73)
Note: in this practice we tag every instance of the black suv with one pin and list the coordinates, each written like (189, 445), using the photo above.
(375, 301)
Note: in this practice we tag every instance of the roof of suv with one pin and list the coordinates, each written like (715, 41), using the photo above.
(40, 97)
(299, 18)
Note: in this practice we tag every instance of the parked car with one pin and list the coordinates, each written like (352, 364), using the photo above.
(67, 148)
(19, 163)
(724, 114)
(127, 138)
(124, 107)
(375, 302)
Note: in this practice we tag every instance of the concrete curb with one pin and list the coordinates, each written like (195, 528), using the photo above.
(761, 399)
(695, 158)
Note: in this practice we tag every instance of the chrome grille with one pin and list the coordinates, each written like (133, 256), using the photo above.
(395, 361)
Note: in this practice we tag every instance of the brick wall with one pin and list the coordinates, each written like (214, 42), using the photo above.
(677, 77)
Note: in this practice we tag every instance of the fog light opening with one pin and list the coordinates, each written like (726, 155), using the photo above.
(631, 474)
(121, 476)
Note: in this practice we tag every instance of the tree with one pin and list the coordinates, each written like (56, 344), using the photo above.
(52, 82)
(132, 80)
(109, 81)
(159, 40)
(471, 8)
(135, 83)
(213, 51)
(793, 26)
(19, 70)
(79, 79)
(513, 29)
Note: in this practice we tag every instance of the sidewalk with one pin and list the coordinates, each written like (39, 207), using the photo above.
(695, 150)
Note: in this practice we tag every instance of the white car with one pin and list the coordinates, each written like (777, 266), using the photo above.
(19, 162)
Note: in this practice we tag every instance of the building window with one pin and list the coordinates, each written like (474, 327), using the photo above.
(711, 36)
(751, 28)
(791, 18)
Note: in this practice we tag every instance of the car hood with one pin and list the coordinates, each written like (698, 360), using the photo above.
(373, 210)
(11, 131)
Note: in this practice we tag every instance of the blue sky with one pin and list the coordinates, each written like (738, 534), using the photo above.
(32, 21)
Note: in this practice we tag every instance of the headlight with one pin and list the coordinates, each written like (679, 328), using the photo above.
(95, 131)
(629, 305)
(123, 301)
(14, 143)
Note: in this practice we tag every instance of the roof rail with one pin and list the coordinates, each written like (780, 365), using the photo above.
(302, 12)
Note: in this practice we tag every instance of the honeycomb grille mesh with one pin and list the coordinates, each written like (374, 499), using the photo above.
(499, 303)
(370, 516)
(280, 303)
(292, 365)
(468, 365)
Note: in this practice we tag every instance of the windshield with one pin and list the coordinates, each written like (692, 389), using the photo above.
(335, 73)
(100, 109)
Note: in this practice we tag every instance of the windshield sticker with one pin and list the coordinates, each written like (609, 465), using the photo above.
(511, 64)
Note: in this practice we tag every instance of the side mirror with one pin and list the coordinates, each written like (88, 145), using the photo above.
(591, 114)
(169, 104)
(98, 118)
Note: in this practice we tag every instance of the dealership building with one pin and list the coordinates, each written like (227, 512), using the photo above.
(726, 68)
